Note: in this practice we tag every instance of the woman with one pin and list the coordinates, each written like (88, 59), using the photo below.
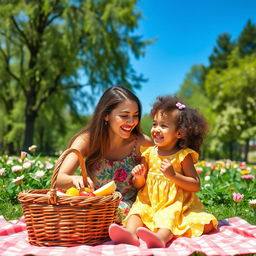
(110, 144)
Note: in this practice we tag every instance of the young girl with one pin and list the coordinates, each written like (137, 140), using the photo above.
(110, 144)
(167, 206)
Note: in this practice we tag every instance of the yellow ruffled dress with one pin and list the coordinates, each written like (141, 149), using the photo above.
(162, 204)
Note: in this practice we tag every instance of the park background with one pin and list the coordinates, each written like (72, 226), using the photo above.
(57, 57)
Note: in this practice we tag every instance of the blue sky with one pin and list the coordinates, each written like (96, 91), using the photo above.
(186, 32)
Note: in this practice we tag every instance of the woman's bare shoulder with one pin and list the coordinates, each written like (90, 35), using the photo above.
(81, 143)
(144, 140)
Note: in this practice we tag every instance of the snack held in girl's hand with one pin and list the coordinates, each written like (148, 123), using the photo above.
(105, 190)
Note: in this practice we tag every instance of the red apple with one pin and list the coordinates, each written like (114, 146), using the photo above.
(85, 193)
(60, 190)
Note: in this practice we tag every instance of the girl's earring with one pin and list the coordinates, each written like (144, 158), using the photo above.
(105, 123)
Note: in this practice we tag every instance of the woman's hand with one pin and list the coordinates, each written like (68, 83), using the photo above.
(90, 183)
(79, 183)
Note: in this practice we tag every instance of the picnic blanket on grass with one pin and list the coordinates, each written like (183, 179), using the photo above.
(234, 236)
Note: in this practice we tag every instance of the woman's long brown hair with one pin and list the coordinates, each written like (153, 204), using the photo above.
(97, 128)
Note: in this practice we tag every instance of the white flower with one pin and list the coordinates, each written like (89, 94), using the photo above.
(9, 162)
(18, 179)
(206, 178)
(32, 148)
(26, 165)
(207, 184)
(253, 203)
(208, 164)
(39, 174)
(48, 165)
(16, 168)
(222, 171)
(2, 171)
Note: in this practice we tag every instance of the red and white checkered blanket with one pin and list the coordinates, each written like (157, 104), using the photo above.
(235, 236)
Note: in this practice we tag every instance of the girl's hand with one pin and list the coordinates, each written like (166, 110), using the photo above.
(167, 169)
(139, 170)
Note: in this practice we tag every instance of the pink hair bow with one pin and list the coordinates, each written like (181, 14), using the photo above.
(180, 106)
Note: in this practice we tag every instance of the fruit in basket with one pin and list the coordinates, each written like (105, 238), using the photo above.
(85, 193)
(72, 191)
(87, 189)
(60, 192)
(105, 190)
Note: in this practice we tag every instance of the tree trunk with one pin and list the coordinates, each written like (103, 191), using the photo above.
(29, 129)
(246, 150)
(231, 156)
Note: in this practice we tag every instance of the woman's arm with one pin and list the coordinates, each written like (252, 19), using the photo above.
(189, 181)
(65, 177)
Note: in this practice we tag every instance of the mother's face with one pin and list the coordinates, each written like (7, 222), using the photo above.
(123, 119)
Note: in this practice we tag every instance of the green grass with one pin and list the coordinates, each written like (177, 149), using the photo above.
(11, 212)
(224, 212)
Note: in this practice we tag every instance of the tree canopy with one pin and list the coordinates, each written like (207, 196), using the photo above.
(65, 48)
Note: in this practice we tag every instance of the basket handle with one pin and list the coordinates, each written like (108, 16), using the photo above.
(60, 161)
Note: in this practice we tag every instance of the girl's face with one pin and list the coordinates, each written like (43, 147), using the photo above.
(163, 131)
(123, 119)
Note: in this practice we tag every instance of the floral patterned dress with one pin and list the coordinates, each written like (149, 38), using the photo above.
(163, 204)
(120, 172)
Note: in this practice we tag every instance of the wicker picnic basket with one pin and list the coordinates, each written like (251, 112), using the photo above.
(67, 220)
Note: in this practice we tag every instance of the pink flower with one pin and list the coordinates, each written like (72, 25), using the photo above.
(48, 165)
(16, 168)
(237, 197)
(199, 170)
(2, 171)
(23, 155)
(247, 177)
(242, 165)
(213, 167)
(120, 175)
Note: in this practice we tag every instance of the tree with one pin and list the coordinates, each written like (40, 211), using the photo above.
(45, 46)
(247, 39)
(233, 91)
(218, 59)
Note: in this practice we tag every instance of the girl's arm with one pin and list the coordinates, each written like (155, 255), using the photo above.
(139, 173)
(65, 177)
(189, 181)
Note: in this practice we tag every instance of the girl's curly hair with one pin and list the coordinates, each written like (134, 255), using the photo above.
(189, 121)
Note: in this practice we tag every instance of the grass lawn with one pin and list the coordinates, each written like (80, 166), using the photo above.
(11, 212)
